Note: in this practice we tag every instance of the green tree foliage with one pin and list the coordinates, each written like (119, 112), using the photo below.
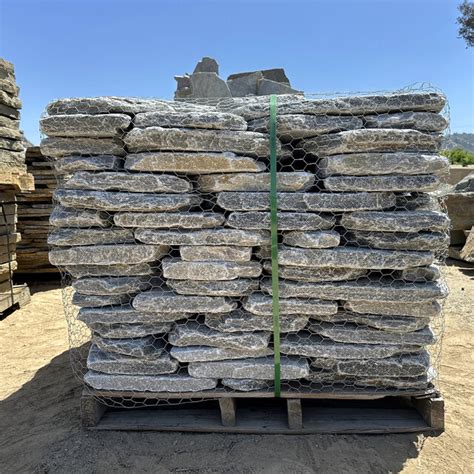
(466, 22)
(458, 156)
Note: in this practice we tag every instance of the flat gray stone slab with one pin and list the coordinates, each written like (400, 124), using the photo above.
(286, 221)
(312, 240)
(424, 121)
(207, 354)
(111, 285)
(180, 220)
(241, 238)
(399, 221)
(71, 164)
(259, 368)
(110, 363)
(193, 163)
(147, 347)
(237, 288)
(244, 321)
(423, 309)
(83, 125)
(92, 236)
(160, 301)
(66, 217)
(419, 201)
(82, 300)
(407, 383)
(107, 254)
(352, 257)
(420, 274)
(195, 334)
(148, 383)
(208, 84)
(246, 385)
(372, 140)
(182, 139)
(425, 183)
(286, 181)
(203, 253)
(57, 147)
(85, 270)
(363, 164)
(315, 202)
(138, 182)
(209, 271)
(122, 201)
(261, 305)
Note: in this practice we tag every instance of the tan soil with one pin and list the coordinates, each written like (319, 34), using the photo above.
(40, 426)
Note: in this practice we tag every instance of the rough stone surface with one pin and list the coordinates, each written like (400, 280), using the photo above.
(71, 236)
(269, 87)
(204, 253)
(246, 385)
(111, 285)
(244, 85)
(425, 183)
(421, 274)
(207, 64)
(64, 217)
(312, 240)
(128, 330)
(424, 121)
(147, 347)
(207, 354)
(418, 202)
(81, 300)
(125, 269)
(179, 220)
(424, 309)
(71, 164)
(208, 84)
(237, 288)
(57, 147)
(192, 162)
(403, 383)
(260, 369)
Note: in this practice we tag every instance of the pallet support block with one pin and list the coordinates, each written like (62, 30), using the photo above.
(227, 407)
(295, 414)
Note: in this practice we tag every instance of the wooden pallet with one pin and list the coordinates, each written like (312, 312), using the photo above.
(21, 297)
(260, 412)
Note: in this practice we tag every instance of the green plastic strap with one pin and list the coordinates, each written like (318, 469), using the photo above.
(274, 233)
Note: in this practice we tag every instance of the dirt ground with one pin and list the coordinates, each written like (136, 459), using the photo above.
(40, 427)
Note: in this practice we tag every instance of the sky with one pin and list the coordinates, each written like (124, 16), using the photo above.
(78, 48)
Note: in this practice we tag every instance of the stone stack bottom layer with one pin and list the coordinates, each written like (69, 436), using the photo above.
(162, 231)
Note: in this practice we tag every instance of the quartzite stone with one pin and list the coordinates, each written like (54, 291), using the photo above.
(245, 85)
(208, 85)
(203, 253)
(420, 274)
(121, 201)
(418, 202)
(160, 301)
(11, 144)
(9, 101)
(246, 385)
(111, 285)
(363, 164)
(129, 330)
(268, 87)
(423, 309)
(403, 383)
(286, 221)
(138, 182)
(7, 122)
(195, 334)
(206, 354)
(82, 125)
(57, 147)
(9, 112)
(425, 183)
(9, 87)
(63, 217)
(425, 121)
(13, 159)
(148, 383)
(372, 140)
(209, 271)
(316, 202)
(107, 254)
(399, 221)
(263, 368)
(296, 181)
(180, 220)
(10, 133)
(147, 347)
(99, 300)
(238, 287)
(312, 240)
(93, 236)
(70, 164)
(192, 162)
(242, 238)
(125, 269)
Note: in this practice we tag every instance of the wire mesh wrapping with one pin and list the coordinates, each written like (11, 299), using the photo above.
(161, 232)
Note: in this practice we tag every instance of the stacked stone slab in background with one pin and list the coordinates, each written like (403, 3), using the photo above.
(163, 231)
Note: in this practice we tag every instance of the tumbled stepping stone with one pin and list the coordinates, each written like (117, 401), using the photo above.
(147, 347)
(317, 346)
(203, 253)
(295, 181)
(425, 183)
(148, 383)
(260, 369)
(260, 304)
(352, 257)
(195, 334)
(296, 126)
(125, 315)
(107, 254)
(312, 240)
(238, 287)
(57, 147)
(138, 182)
(79, 271)
(180, 220)
(167, 302)
(192, 162)
(315, 274)
(129, 330)
(82, 125)
(205, 353)
(79, 299)
(420, 274)
(63, 217)
(247, 385)
(363, 164)
(399, 240)
(399, 221)
(114, 363)
(70, 164)
(370, 140)
(209, 271)
(121, 201)
(418, 202)
(286, 221)
(316, 202)
(65, 236)
(242, 238)
(425, 121)
(111, 285)
(423, 309)
(243, 321)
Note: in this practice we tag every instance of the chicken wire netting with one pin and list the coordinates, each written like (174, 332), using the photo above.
(161, 231)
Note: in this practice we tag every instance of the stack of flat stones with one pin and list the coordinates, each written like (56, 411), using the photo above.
(163, 229)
